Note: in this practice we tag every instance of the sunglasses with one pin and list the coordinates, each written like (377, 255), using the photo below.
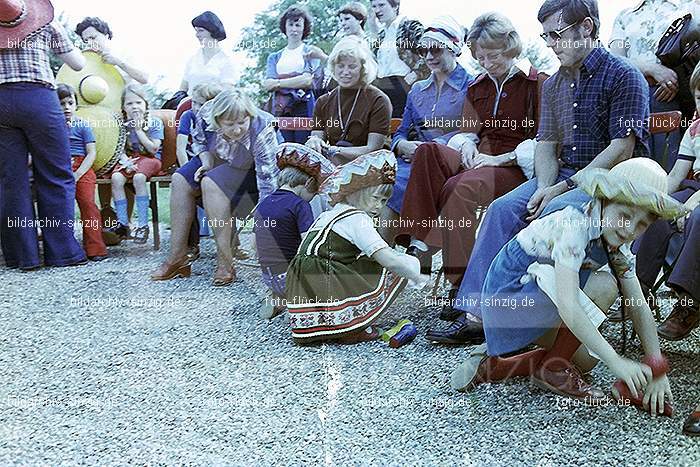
(434, 51)
(556, 35)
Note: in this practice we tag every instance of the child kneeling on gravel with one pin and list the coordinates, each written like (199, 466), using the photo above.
(283, 217)
(543, 271)
(345, 275)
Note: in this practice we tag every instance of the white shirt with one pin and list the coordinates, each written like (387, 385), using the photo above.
(690, 147)
(291, 61)
(358, 229)
(220, 68)
(390, 64)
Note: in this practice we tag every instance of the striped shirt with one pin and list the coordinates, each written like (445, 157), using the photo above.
(28, 60)
(610, 100)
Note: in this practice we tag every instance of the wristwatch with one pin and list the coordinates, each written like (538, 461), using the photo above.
(570, 184)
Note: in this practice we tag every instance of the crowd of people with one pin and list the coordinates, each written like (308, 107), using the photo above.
(581, 203)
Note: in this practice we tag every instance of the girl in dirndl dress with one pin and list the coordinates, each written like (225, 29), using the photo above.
(345, 275)
(541, 290)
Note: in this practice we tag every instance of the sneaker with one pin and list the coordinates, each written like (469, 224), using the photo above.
(116, 233)
(140, 235)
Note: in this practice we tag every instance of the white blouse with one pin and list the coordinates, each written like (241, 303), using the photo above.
(564, 235)
(388, 60)
(291, 61)
(358, 229)
(220, 68)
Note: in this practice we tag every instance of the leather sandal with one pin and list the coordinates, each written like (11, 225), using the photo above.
(168, 271)
(224, 278)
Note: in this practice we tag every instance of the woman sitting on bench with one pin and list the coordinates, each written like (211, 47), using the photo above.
(235, 165)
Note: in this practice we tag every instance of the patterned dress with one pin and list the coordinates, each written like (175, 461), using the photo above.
(333, 288)
(519, 295)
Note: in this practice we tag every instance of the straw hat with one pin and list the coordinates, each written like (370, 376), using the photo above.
(110, 136)
(639, 181)
(20, 18)
(98, 83)
(305, 159)
(373, 169)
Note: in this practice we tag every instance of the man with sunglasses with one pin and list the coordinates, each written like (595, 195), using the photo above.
(593, 115)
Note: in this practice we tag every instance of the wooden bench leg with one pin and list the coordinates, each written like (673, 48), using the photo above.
(154, 215)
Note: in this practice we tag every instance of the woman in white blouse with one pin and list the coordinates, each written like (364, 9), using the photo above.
(211, 62)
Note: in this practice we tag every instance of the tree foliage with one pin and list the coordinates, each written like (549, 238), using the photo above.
(264, 37)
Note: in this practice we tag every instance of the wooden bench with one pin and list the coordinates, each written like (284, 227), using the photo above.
(164, 179)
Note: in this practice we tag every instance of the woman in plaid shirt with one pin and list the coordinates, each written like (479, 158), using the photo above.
(31, 120)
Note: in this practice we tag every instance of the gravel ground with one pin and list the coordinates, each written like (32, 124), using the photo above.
(104, 367)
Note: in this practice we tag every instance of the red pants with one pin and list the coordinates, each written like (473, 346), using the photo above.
(89, 214)
(439, 186)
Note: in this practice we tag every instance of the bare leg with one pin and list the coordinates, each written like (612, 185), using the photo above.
(118, 182)
(601, 288)
(182, 211)
(218, 208)
(140, 184)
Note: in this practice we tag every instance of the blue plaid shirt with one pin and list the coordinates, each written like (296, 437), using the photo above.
(609, 101)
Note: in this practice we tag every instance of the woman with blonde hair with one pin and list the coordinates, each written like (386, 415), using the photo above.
(355, 117)
(477, 164)
(234, 167)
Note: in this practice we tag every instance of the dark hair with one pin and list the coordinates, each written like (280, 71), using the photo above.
(294, 12)
(95, 22)
(396, 4)
(66, 90)
(356, 10)
(573, 11)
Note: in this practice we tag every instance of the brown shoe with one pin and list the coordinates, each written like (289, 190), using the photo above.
(224, 276)
(471, 372)
(692, 424)
(680, 323)
(168, 271)
(567, 382)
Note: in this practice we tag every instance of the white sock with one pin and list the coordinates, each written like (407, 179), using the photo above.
(418, 244)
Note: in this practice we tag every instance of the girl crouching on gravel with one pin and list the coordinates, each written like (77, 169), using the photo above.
(543, 271)
(345, 275)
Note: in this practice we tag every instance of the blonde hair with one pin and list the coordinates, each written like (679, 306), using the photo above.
(293, 176)
(364, 195)
(354, 47)
(137, 90)
(495, 31)
(207, 91)
(695, 79)
(231, 105)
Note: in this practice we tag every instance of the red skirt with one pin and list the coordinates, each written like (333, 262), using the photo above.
(149, 166)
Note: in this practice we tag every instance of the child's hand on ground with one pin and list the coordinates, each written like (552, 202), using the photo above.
(634, 374)
(657, 392)
(423, 280)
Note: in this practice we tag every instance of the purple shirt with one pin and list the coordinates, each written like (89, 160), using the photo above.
(280, 219)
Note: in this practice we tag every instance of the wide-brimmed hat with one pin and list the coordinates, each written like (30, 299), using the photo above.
(373, 169)
(305, 159)
(639, 181)
(20, 18)
(110, 136)
(209, 21)
(98, 83)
